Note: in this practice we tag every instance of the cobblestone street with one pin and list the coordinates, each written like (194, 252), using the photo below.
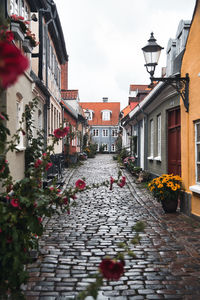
(167, 263)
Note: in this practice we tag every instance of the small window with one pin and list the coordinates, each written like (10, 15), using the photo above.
(151, 137)
(159, 135)
(105, 132)
(197, 142)
(105, 147)
(114, 132)
(95, 132)
(106, 115)
(113, 148)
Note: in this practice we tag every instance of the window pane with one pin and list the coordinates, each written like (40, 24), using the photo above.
(198, 132)
(198, 152)
(198, 173)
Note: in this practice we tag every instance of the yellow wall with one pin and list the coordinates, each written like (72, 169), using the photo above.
(191, 65)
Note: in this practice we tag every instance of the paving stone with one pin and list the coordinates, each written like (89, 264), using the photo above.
(167, 263)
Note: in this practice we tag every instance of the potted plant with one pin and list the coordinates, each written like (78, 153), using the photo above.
(29, 41)
(18, 26)
(166, 190)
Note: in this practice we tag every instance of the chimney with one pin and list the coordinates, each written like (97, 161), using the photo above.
(105, 99)
(64, 76)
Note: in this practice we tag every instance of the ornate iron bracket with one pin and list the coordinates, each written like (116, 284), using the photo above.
(180, 84)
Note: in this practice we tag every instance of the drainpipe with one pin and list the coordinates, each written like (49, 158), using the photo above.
(145, 136)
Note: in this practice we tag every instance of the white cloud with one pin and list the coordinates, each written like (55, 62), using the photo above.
(104, 40)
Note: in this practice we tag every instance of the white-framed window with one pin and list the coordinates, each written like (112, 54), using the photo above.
(197, 151)
(20, 8)
(95, 132)
(159, 135)
(74, 138)
(151, 137)
(19, 124)
(105, 147)
(113, 149)
(105, 132)
(90, 115)
(106, 115)
(114, 132)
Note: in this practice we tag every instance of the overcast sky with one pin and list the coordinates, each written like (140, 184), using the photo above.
(104, 40)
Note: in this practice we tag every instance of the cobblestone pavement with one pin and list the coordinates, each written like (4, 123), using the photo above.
(167, 265)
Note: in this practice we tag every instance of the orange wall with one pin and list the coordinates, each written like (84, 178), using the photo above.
(191, 65)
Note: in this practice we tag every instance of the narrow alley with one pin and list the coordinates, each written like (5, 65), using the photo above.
(167, 263)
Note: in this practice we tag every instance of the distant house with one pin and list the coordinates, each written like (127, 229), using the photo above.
(103, 118)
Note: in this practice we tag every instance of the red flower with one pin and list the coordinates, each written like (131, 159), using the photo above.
(80, 184)
(122, 181)
(48, 165)
(68, 211)
(2, 117)
(73, 197)
(44, 154)
(110, 269)
(65, 200)
(9, 36)
(0, 230)
(12, 64)
(37, 163)
(66, 130)
(58, 133)
(112, 180)
(40, 220)
(15, 202)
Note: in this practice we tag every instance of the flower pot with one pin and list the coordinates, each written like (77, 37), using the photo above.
(169, 205)
(27, 46)
(17, 31)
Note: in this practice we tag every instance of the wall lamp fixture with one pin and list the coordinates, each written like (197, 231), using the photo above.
(151, 55)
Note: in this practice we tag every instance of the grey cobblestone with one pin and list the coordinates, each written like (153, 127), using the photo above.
(167, 263)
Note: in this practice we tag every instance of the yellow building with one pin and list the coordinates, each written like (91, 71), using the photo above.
(190, 121)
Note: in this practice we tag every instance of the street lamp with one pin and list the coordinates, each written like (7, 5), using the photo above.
(151, 55)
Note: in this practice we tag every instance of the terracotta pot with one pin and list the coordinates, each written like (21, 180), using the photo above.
(169, 205)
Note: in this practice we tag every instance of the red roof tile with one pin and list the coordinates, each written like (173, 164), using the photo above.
(134, 87)
(97, 108)
(69, 94)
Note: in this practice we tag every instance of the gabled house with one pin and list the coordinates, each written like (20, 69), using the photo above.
(103, 118)
(41, 80)
(190, 121)
(156, 119)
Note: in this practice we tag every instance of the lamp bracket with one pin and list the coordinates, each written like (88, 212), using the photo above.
(180, 84)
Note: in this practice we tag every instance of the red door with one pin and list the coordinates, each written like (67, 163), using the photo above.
(174, 142)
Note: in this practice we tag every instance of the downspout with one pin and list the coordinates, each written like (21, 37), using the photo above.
(145, 136)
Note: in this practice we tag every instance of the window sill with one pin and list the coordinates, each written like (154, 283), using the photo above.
(20, 148)
(150, 157)
(195, 188)
(158, 158)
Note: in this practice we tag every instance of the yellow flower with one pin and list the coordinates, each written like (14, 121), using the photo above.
(160, 186)
(173, 188)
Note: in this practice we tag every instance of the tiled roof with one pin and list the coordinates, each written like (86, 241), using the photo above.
(97, 107)
(69, 109)
(128, 108)
(69, 94)
(134, 87)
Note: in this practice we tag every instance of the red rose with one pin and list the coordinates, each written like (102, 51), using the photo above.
(112, 180)
(80, 184)
(37, 163)
(66, 130)
(9, 36)
(122, 181)
(2, 117)
(12, 63)
(58, 133)
(65, 200)
(110, 269)
(40, 220)
(48, 165)
(15, 202)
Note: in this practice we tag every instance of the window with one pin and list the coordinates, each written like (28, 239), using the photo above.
(105, 147)
(95, 132)
(114, 132)
(151, 139)
(20, 8)
(90, 115)
(197, 141)
(105, 132)
(39, 119)
(19, 112)
(74, 136)
(159, 136)
(113, 148)
(106, 115)
(97, 147)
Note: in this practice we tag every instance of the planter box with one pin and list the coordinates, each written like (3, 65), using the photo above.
(17, 31)
(27, 46)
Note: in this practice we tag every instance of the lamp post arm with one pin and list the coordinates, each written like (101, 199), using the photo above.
(180, 84)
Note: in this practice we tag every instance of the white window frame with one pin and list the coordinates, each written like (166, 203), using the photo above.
(106, 115)
(19, 112)
(90, 117)
(197, 163)
(114, 133)
(113, 148)
(151, 140)
(97, 147)
(105, 149)
(95, 132)
(105, 133)
(158, 138)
